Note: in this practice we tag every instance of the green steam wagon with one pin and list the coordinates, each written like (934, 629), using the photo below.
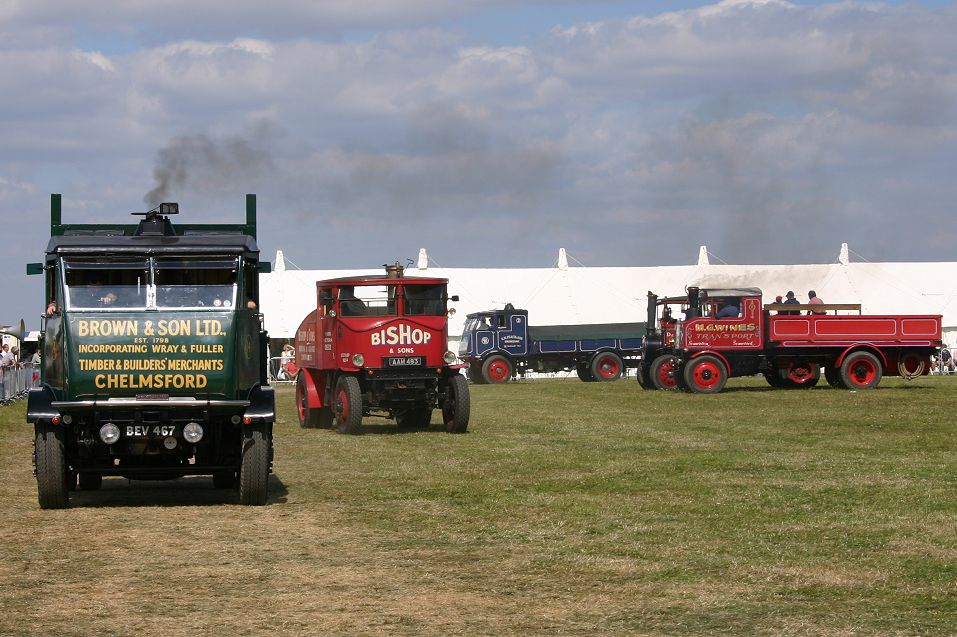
(153, 356)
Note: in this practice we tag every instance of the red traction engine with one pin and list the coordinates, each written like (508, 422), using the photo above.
(378, 346)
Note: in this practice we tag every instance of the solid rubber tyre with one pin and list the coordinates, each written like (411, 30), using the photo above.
(606, 367)
(348, 410)
(833, 377)
(643, 377)
(496, 369)
(705, 375)
(52, 489)
(308, 416)
(457, 407)
(774, 378)
(89, 481)
(861, 370)
(254, 470)
(475, 374)
(663, 374)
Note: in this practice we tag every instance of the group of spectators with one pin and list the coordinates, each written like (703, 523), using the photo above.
(729, 309)
(10, 357)
(10, 364)
(813, 299)
(943, 363)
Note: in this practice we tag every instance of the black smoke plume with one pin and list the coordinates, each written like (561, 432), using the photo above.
(202, 164)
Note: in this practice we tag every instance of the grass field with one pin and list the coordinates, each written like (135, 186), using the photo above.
(568, 509)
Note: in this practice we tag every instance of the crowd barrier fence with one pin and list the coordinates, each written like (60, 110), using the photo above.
(16, 381)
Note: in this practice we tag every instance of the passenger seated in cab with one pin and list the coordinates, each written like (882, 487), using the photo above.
(728, 310)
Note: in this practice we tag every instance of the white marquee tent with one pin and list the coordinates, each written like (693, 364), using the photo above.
(563, 295)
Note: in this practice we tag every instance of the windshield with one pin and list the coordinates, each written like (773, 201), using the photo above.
(195, 283)
(114, 284)
(367, 300)
(424, 300)
(142, 283)
(477, 323)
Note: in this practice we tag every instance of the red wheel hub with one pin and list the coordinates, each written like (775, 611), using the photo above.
(706, 374)
(666, 374)
(608, 367)
(342, 406)
(863, 371)
(801, 374)
(499, 371)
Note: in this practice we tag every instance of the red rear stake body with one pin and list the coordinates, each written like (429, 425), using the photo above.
(378, 345)
(788, 346)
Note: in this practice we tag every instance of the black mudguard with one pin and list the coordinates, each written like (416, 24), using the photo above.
(40, 405)
(262, 403)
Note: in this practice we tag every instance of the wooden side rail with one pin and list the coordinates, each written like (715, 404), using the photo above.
(805, 307)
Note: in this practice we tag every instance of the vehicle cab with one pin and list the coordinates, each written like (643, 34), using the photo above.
(504, 330)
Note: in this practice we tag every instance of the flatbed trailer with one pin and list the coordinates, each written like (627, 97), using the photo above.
(791, 345)
(499, 344)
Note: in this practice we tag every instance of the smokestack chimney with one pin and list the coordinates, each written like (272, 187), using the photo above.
(394, 271)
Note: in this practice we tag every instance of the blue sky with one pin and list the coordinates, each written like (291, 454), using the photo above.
(489, 132)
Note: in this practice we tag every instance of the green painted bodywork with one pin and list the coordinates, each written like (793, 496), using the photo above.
(206, 355)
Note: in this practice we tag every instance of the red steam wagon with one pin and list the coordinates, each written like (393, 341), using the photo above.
(378, 345)
(728, 332)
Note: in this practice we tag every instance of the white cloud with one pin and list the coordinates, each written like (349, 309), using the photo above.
(768, 130)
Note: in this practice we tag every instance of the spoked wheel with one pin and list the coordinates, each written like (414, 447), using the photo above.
(705, 375)
(496, 369)
(52, 472)
(861, 370)
(663, 372)
(457, 407)
(348, 405)
(254, 470)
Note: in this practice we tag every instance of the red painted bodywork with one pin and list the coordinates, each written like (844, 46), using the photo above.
(791, 337)
(327, 341)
